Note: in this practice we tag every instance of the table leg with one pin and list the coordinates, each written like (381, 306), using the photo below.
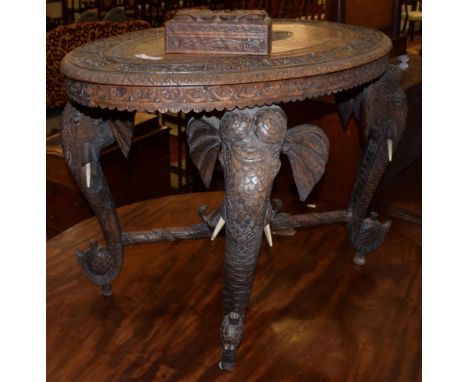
(248, 143)
(85, 132)
(383, 110)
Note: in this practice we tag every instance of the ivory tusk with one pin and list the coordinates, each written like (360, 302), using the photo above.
(267, 231)
(88, 174)
(390, 149)
(218, 228)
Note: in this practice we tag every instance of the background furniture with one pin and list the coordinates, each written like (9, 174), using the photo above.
(384, 15)
(64, 39)
(411, 15)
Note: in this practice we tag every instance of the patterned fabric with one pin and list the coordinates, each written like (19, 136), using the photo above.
(64, 39)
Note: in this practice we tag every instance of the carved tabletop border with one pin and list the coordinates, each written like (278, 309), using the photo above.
(96, 76)
(221, 97)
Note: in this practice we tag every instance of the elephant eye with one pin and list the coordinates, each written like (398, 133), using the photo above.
(234, 127)
(270, 125)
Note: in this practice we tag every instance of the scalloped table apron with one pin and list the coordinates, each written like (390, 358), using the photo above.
(240, 125)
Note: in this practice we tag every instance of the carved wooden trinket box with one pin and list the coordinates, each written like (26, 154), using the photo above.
(219, 32)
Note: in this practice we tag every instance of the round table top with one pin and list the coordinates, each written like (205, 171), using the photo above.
(308, 59)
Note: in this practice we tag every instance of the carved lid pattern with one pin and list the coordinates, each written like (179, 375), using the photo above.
(132, 68)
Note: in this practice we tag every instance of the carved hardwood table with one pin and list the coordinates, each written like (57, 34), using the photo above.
(108, 80)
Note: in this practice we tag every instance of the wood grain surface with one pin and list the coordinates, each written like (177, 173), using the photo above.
(313, 315)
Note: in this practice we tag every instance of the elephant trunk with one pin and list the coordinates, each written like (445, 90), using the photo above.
(239, 267)
(241, 254)
(246, 213)
(100, 264)
(247, 209)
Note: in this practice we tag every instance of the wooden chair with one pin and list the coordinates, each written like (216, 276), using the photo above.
(412, 13)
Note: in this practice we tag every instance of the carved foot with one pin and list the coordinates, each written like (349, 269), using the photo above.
(231, 336)
(359, 258)
(368, 237)
(99, 266)
(106, 290)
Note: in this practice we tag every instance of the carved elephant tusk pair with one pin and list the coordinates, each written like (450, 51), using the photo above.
(221, 224)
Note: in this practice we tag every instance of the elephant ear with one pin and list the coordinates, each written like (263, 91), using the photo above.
(306, 147)
(205, 143)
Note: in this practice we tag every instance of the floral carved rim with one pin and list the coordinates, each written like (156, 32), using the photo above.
(220, 97)
(105, 61)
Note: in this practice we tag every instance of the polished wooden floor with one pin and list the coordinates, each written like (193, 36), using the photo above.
(313, 316)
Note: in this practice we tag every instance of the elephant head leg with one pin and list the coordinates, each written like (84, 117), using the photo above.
(383, 107)
(84, 134)
(248, 144)
(251, 141)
